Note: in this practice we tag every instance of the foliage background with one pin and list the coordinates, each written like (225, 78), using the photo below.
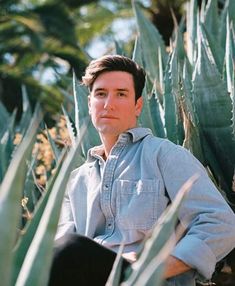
(42, 43)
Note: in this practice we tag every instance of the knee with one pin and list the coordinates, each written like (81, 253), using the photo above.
(71, 246)
(69, 256)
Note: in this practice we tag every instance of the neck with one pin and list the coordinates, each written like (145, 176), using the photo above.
(108, 142)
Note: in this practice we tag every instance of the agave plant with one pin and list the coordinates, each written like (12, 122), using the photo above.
(189, 98)
(22, 254)
(189, 95)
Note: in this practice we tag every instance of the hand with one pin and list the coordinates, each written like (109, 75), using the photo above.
(130, 256)
(175, 267)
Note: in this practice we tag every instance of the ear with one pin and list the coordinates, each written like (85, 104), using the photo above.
(89, 103)
(138, 106)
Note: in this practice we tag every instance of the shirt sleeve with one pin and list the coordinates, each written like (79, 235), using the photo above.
(66, 222)
(209, 220)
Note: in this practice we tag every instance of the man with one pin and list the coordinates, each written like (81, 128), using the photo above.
(125, 185)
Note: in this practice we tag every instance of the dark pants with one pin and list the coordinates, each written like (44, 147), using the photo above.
(81, 261)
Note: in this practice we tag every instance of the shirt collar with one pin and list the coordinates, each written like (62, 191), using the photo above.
(138, 133)
(95, 152)
(134, 135)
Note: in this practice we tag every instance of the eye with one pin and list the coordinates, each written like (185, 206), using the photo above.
(121, 94)
(100, 94)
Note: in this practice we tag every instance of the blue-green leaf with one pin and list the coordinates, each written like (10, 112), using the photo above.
(11, 191)
(211, 18)
(70, 126)
(26, 113)
(54, 148)
(151, 43)
(41, 248)
(91, 137)
(214, 110)
(164, 228)
(23, 243)
(191, 25)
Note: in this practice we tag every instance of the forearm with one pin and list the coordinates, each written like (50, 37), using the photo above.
(175, 267)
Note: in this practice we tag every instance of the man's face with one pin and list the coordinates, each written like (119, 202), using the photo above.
(112, 103)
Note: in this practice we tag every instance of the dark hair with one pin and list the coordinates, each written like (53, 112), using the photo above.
(115, 63)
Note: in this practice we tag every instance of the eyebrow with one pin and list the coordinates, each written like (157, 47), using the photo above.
(122, 89)
(117, 89)
(98, 89)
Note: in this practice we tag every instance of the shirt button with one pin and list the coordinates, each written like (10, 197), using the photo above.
(109, 225)
(106, 186)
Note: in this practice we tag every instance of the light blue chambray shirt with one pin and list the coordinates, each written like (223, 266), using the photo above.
(120, 199)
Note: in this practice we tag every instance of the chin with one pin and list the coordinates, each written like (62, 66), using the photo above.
(110, 131)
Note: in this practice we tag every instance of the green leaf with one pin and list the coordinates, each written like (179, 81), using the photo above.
(26, 113)
(191, 124)
(164, 228)
(114, 277)
(51, 15)
(153, 273)
(170, 109)
(31, 190)
(54, 148)
(229, 61)
(31, 21)
(119, 50)
(150, 116)
(191, 24)
(222, 29)
(6, 144)
(70, 127)
(156, 113)
(4, 117)
(11, 190)
(23, 243)
(233, 103)
(151, 43)
(216, 50)
(211, 18)
(214, 110)
(41, 248)
(231, 10)
(173, 121)
(91, 137)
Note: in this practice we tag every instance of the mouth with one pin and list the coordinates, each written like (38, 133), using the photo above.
(108, 117)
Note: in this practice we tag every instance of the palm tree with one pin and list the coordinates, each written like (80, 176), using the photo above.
(38, 42)
(42, 42)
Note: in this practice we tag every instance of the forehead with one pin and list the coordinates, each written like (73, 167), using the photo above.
(114, 80)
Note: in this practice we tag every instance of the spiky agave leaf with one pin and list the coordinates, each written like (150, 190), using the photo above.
(91, 137)
(164, 228)
(41, 247)
(150, 116)
(11, 191)
(151, 43)
(24, 241)
(115, 274)
(191, 24)
(213, 106)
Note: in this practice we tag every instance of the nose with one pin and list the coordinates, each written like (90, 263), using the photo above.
(109, 102)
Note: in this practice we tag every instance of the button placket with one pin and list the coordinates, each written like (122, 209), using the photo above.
(108, 177)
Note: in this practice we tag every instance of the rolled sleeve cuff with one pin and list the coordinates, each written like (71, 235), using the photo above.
(196, 253)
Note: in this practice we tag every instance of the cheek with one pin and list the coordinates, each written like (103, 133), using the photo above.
(94, 111)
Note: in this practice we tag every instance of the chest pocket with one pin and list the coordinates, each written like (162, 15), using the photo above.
(137, 204)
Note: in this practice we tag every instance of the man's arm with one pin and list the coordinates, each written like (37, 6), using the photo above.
(204, 213)
(66, 221)
(175, 267)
